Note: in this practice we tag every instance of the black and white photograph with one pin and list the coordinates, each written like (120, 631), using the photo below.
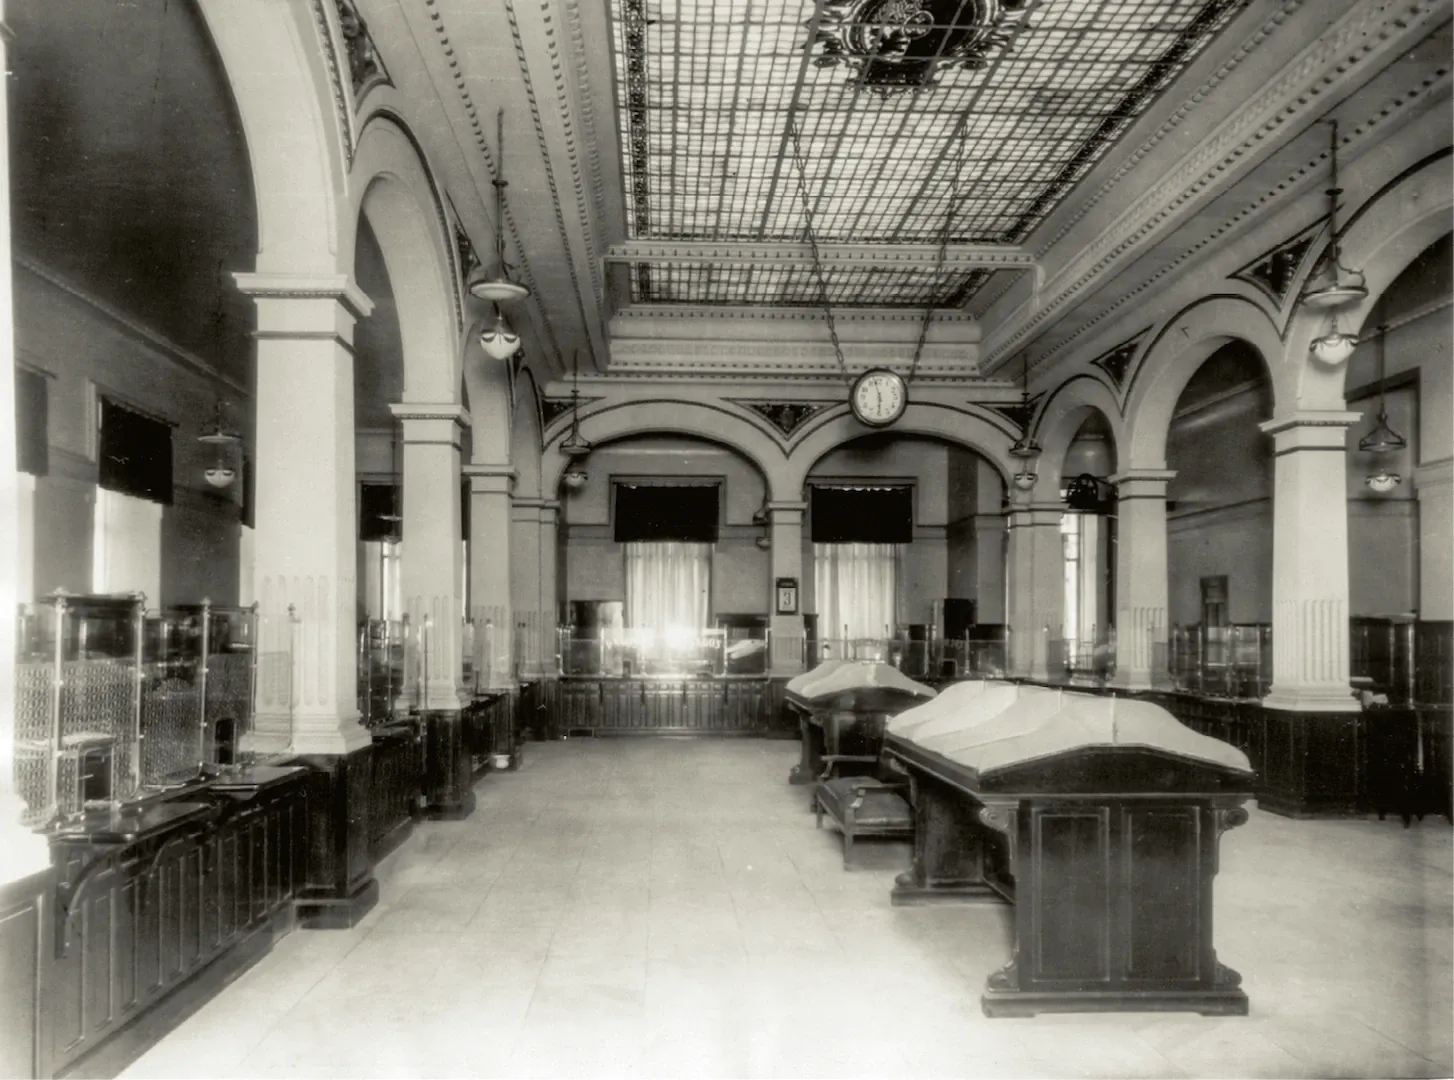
(700, 539)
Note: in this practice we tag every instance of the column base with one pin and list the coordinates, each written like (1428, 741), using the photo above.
(340, 887)
(1320, 699)
(448, 775)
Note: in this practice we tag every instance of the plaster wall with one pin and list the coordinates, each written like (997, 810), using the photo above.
(81, 346)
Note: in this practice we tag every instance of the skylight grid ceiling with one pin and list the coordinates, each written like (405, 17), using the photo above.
(705, 92)
(794, 286)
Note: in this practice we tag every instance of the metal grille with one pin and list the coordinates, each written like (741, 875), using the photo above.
(705, 89)
(229, 690)
(98, 701)
(170, 716)
(33, 740)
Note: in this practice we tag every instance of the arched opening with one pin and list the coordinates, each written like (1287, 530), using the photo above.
(904, 554)
(1088, 552)
(664, 559)
(1400, 587)
(1219, 526)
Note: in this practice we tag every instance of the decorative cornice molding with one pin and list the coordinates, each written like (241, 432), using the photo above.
(342, 102)
(183, 358)
(527, 277)
(764, 359)
(1391, 111)
(566, 108)
(588, 119)
(783, 253)
(1301, 87)
(1174, 121)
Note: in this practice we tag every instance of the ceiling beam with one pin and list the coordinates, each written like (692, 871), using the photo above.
(758, 253)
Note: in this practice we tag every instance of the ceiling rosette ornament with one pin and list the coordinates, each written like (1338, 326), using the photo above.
(900, 45)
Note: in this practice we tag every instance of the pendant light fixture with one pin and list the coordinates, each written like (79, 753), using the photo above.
(1025, 448)
(498, 338)
(220, 471)
(1333, 285)
(575, 445)
(1382, 439)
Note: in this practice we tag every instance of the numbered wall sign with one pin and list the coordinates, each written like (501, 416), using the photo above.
(787, 596)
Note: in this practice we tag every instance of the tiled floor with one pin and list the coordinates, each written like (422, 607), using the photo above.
(666, 908)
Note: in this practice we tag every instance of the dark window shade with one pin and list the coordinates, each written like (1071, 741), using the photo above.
(685, 512)
(377, 503)
(850, 515)
(249, 493)
(32, 422)
(135, 453)
(464, 509)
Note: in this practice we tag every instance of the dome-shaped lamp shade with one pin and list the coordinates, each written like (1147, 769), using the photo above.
(219, 476)
(1383, 481)
(499, 340)
(575, 479)
(1025, 448)
(1334, 292)
(499, 289)
(1024, 481)
(1334, 347)
(763, 543)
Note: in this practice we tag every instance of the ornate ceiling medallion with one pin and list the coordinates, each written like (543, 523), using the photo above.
(900, 45)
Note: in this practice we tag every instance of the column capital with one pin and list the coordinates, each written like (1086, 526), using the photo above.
(1436, 474)
(413, 410)
(1142, 483)
(490, 479)
(1310, 430)
(338, 287)
(1027, 515)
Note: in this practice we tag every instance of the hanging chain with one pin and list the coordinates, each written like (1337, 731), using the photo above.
(813, 244)
(944, 236)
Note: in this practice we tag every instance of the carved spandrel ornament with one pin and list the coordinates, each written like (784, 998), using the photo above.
(365, 68)
(1116, 362)
(1274, 272)
(895, 46)
(785, 416)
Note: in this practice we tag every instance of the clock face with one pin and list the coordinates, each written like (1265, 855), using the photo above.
(879, 397)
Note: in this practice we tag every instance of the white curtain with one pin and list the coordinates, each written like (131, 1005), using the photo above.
(668, 587)
(855, 587)
(126, 555)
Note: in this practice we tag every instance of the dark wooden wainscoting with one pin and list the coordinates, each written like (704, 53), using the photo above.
(730, 705)
(395, 775)
(145, 930)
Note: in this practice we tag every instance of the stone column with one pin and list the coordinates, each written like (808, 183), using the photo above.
(1310, 563)
(1434, 484)
(788, 642)
(23, 853)
(1141, 584)
(490, 572)
(989, 568)
(306, 517)
(529, 563)
(1036, 586)
(549, 569)
(433, 584)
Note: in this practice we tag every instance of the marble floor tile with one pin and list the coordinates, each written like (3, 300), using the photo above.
(643, 908)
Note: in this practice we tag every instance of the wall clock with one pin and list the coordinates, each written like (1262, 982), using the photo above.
(879, 397)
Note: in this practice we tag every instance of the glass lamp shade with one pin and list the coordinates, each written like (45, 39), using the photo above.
(1333, 293)
(1025, 447)
(1025, 480)
(574, 446)
(1382, 439)
(1383, 481)
(499, 340)
(763, 543)
(1334, 347)
(219, 476)
(575, 479)
(498, 289)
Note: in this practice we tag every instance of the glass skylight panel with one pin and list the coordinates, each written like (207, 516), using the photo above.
(705, 91)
